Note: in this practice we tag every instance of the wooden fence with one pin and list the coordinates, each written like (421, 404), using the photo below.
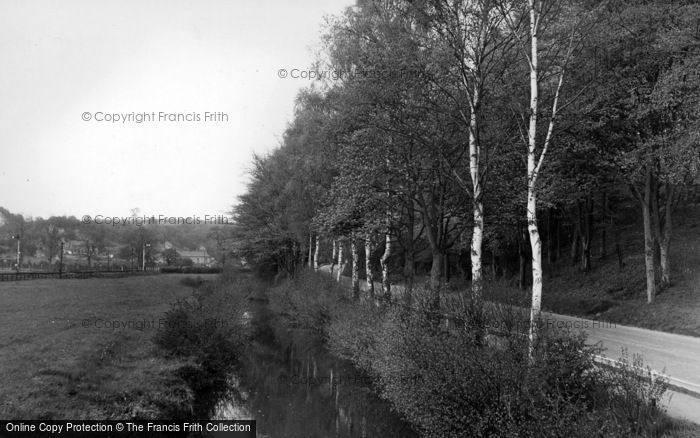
(36, 275)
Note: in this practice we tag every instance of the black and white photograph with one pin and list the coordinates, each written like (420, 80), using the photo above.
(350, 218)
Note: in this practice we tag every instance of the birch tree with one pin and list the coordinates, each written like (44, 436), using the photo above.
(560, 44)
(478, 46)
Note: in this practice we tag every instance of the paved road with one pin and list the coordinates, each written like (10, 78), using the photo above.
(675, 356)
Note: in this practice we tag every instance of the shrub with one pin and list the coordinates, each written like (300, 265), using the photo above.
(635, 395)
(452, 383)
(308, 300)
(206, 330)
(465, 380)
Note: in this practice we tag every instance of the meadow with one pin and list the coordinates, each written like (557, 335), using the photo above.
(84, 348)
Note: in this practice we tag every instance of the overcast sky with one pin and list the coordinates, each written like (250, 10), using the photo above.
(66, 61)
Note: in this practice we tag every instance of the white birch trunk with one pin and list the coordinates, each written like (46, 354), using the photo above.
(340, 261)
(475, 174)
(369, 275)
(384, 261)
(534, 165)
(535, 244)
(355, 268)
(478, 231)
(316, 252)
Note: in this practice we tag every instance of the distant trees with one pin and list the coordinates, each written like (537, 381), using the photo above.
(171, 256)
(91, 244)
(274, 218)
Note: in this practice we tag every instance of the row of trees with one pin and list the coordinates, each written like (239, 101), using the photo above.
(461, 121)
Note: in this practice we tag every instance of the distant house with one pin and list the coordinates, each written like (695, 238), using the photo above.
(79, 248)
(198, 257)
(74, 247)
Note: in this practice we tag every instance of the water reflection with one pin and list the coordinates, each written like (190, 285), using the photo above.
(298, 389)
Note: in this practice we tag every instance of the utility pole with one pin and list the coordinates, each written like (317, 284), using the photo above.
(143, 256)
(132, 259)
(19, 238)
(60, 268)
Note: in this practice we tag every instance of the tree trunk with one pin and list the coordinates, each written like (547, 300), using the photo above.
(536, 248)
(311, 251)
(436, 272)
(665, 240)
(587, 235)
(384, 262)
(409, 257)
(476, 249)
(618, 246)
(340, 261)
(648, 239)
(355, 268)
(604, 230)
(575, 240)
(316, 252)
(655, 220)
(334, 255)
(533, 168)
(477, 204)
(369, 275)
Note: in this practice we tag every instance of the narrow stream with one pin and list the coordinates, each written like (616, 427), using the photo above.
(295, 388)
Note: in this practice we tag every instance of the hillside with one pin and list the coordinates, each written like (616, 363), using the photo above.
(618, 295)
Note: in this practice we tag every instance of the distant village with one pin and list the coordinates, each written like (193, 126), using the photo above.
(78, 254)
(65, 243)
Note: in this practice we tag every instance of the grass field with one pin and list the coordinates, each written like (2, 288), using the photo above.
(82, 349)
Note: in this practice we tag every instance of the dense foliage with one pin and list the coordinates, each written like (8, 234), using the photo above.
(426, 150)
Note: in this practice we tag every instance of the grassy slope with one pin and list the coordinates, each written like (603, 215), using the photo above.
(620, 295)
(51, 366)
(608, 293)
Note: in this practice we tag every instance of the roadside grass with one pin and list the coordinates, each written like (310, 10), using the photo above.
(682, 429)
(60, 359)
